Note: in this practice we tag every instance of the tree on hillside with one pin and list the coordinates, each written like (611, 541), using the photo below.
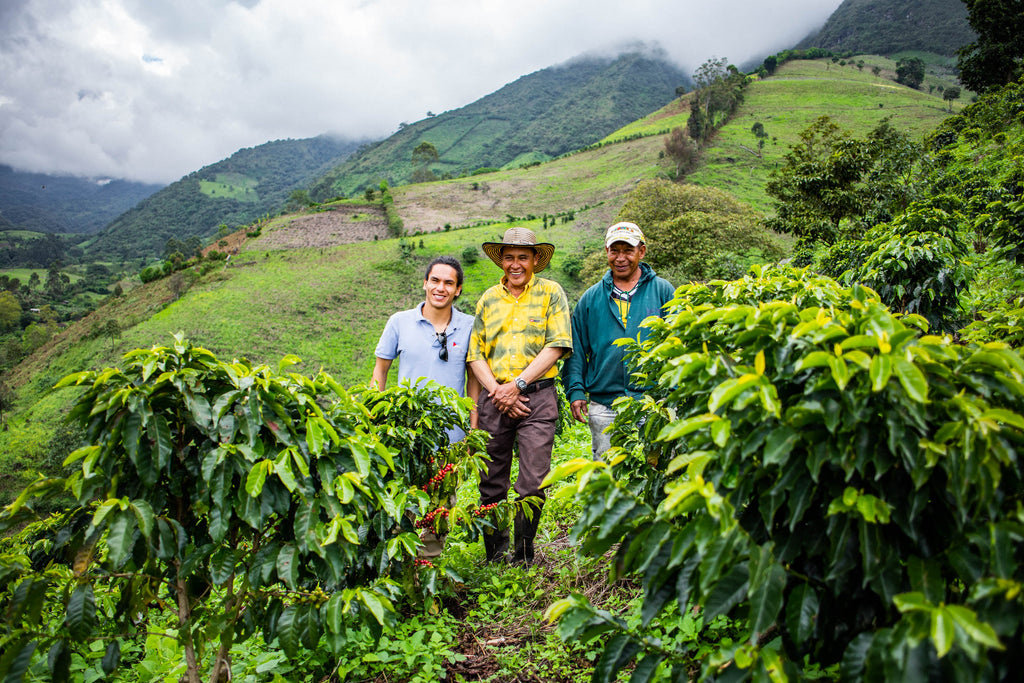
(910, 72)
(679, 147)
(424, 155)
(950, 94)
(997, 56)
(830, 180)
(718, 93)
(10, 311)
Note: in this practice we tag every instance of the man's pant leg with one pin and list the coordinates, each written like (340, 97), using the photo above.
(495, 482)
(599, 417)
(536, 434)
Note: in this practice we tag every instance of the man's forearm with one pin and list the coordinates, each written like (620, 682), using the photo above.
(542, 362)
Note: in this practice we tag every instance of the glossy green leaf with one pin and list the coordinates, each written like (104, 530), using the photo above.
(912, 379)
(15, 660)
(120, 538)
(647, 667)
(288, 565)
(976, 630)
(81, 612)
(727, 592)
(111, 657)
(727, 391)
(880, 371)
(779, 444)
(374, 603)
(58, 661)
(766, 600)
(802, 613)
(942, 631)
(618, 653)
(159, 432)
(257, 476)
(680, 428)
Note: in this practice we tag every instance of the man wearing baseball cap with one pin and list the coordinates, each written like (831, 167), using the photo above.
(611, 309)
(520, 331)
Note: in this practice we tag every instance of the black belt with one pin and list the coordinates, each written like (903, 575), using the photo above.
(538, 385)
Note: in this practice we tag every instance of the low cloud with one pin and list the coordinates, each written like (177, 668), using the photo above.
(152, 91)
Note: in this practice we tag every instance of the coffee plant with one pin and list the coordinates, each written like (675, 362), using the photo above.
(240, 499)
(840, 484)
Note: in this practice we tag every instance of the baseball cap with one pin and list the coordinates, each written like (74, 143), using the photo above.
(629, 233)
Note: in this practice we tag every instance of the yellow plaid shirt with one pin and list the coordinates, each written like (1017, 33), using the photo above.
(509, 333)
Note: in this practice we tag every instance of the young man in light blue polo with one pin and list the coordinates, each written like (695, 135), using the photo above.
(431, 340)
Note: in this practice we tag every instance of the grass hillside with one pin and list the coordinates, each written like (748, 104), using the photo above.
(297, 290)
(250, 183)
(535, 118)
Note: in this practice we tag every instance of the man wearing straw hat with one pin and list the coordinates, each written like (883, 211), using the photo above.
(521, 329)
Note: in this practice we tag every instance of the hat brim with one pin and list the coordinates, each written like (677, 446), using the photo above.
(544, 252)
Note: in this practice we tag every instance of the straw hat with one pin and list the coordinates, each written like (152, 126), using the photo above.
(520, 237)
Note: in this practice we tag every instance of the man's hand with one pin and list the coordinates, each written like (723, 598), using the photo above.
(507, 399)
(518, 409)
(579, 410)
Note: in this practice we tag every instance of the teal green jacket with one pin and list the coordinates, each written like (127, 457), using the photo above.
(596, 368)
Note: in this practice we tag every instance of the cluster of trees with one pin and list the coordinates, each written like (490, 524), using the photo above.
(716, 96)
(996, 58)
(31, 312)
(36, 251)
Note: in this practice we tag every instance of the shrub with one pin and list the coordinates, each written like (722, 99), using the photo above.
(815, 468)
(470, 255)
(151, 273)
(257, 501)
(916, 264)
(686, 227)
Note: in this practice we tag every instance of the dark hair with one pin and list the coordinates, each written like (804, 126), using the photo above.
(445, 261)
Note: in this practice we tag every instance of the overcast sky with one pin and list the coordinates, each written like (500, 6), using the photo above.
(151, 90)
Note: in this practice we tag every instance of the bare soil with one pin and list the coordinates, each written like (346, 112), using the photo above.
(341, 225)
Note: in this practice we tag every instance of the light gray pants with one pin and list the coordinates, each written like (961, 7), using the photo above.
(599, 416)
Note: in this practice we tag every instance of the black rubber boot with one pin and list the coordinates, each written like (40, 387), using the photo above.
(526, 531)
(496, 545)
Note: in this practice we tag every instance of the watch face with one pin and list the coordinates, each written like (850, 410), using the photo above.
(521, 384)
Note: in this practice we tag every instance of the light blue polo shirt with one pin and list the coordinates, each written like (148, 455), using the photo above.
(410, 338)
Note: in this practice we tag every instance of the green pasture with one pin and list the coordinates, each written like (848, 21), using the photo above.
(787, 103)
(23, 274)
(231, 186)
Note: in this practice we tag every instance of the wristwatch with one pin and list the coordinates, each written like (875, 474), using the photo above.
(521, 384)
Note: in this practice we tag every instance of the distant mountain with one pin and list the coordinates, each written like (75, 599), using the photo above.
(885, 27)
(47, 203)
(537, 117)
(251, 183)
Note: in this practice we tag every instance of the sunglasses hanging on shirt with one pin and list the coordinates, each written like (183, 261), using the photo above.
(442, 339)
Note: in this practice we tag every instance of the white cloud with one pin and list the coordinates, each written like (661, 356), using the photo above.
(152, 91)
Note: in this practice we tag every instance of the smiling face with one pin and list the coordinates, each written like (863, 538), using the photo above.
(441, 286)
(518, 264)
(624, 260)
